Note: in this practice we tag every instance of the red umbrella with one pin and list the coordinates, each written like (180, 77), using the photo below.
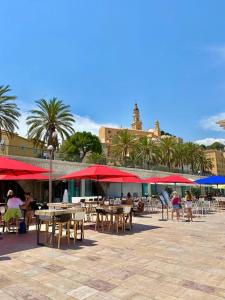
(176, 179)
(152, 180)
(15, 167)
(24, 177)
(97, 172)
(122, 180)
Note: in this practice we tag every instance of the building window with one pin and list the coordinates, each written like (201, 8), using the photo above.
(109, 131)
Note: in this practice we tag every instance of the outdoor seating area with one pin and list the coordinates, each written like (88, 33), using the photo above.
(79, 234)
(136, 262)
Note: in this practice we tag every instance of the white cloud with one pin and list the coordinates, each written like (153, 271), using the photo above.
(209, 123)
(218, 52)
(22, 131)
(210, 141)
(83, 123)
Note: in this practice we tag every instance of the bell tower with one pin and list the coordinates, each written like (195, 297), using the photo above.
(136, 124)
(157, 129)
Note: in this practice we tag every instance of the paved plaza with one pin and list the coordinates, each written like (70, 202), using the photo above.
(158, 260)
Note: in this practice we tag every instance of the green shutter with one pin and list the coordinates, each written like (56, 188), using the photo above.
(73, 189)
(144, 189)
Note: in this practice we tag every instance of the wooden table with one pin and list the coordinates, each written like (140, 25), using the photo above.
(51, 214)
(58, 205)
(110, 209)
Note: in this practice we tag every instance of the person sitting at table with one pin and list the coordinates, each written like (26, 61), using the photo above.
(13, 208)
(129, 199)
(28, 209)
(141, 206)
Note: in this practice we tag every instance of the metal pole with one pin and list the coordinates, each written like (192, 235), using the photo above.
(50, 177)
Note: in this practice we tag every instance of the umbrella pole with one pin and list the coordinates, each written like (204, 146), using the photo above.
(50, 177)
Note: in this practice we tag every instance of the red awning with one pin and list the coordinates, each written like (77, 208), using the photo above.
(24, 177)
(176, 179)
(122, 180)
(15, 167)
(152, 180)
(97, 172)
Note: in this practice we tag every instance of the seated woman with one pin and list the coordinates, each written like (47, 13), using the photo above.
(28, 209)
(13, 209)
(129, 200)
(141, 206)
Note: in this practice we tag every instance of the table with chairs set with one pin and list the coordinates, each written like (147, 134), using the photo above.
(56, 221)
(66, 220)
(113, 217)
(219, 202)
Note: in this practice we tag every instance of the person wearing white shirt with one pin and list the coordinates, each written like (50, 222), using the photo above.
(13, 211)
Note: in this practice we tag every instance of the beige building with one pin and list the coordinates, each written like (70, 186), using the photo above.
(218, 160)
(106, 134)
(19, 146)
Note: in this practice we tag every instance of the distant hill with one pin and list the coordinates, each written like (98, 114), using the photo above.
(214, 146)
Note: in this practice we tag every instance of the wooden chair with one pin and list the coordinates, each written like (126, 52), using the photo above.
(118, 219)
(127, 217)
(2, 222)
(47, 222)
(63, 221)
(12, 224)
(101, 219)
(78, 223)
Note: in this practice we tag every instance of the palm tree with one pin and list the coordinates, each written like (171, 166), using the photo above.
(147, 149)
(192, 152)
(167, 150)
(51, 118)
(9, 112)
(180, 155)
(203, 163)
(122, 144)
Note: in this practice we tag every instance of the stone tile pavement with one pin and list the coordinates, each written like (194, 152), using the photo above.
(157, 260)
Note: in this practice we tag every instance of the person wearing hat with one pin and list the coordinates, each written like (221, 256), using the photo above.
(176, 201)
(13, 208)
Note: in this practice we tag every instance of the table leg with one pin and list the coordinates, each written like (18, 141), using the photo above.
(111, 221)
(53, 231)
(97, 221)
(131, 219)
(38, 231)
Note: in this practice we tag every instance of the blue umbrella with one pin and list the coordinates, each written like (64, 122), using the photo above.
(211, 180)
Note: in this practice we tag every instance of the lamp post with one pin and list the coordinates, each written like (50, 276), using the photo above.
(50, 150)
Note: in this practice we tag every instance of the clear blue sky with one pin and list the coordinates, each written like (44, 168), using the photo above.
(101, 56)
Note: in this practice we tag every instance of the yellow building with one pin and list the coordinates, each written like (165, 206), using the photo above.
(19, 146)
(106, 134)
(218, 160)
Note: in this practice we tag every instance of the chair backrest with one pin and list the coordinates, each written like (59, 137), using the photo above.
(79, 215)
(76, 199)
(117, 201)
(119, 210)
(63, 218)
(2, 209)
(126, 209)
(207, 203)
